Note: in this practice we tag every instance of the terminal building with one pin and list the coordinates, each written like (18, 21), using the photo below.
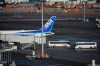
(15, 1)
(71, 1)
(50, 2)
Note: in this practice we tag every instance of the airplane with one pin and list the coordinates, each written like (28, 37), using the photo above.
(47, 28)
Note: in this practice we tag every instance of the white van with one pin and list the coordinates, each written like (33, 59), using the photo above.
(59, 44)
(90, 45)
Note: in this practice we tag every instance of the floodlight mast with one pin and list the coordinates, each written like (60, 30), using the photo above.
(42, 30)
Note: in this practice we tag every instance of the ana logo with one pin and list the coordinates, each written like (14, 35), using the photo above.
(48, 23)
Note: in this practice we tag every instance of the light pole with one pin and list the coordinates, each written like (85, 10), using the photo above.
(84, 10)
(64, 4)
(42, 30)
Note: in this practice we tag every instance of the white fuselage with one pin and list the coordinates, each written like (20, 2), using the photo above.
(12, 31)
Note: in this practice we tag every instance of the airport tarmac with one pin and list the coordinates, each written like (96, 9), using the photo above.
(20, 61)
(65, 30)
(81, 56)
(72, 54)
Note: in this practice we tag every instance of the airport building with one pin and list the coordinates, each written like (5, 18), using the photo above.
(50, 2)
(16, 1)
(70, 1)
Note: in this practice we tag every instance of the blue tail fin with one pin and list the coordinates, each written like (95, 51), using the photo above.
(46, 28)
(48, 25)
